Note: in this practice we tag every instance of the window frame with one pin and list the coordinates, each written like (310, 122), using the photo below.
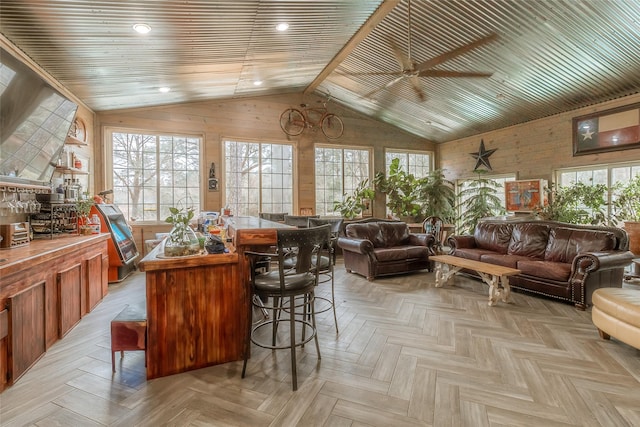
(107, 154)
(370, 168)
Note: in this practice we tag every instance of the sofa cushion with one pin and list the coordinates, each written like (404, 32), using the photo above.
(493, 236)
(559, 271)
(506, 260)
(368, 231)
(565, 243)
(471, 253)
(401, 253)
(394, 233)
(529, 239)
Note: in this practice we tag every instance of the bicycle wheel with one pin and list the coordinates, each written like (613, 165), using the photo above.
(332, 126)
(292, 122)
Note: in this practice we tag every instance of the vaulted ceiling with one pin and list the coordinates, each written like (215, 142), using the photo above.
(548, 56)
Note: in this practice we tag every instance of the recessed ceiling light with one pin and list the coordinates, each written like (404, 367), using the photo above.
(142, 28)
(500, 96)
(283, 26)
(164, 89)
(257, 82)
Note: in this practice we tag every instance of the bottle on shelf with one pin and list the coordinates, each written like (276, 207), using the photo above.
(95, 224)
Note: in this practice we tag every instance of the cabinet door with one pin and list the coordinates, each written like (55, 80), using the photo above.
(93, 281)
(27, 341)
(70, 307)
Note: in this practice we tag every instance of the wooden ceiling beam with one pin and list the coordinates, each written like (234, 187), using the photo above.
(383, 10)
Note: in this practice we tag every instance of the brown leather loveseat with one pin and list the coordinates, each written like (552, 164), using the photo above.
(564, 261)
(378, 248)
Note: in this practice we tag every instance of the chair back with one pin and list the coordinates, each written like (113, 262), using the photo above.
(275, 217)
(335, 223)
(308, 244)
(300, 221)
(435, 226)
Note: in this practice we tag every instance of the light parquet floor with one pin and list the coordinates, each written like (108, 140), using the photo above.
(408, 354)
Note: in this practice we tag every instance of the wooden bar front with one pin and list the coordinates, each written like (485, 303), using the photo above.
(198, 307)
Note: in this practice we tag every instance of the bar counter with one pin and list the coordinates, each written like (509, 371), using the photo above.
(198, 306)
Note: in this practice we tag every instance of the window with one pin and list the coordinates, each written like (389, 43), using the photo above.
(338, 172)
(258, 177)
(152, 172)
(608, 175)
(417, 163)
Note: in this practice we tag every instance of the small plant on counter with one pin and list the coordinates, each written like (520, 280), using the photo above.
(182, 240)
(83, 208)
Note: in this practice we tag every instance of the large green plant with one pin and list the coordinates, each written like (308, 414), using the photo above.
(437, 196)
(478, 200)
(577, 203)
(401, 190)
(352, 205)
(626, 200)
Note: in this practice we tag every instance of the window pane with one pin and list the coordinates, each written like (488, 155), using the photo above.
(259, 177)
(152, 172)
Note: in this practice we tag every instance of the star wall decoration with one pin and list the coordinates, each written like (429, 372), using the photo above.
(482, 156)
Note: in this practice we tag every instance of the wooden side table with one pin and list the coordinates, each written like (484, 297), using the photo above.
(129, 332)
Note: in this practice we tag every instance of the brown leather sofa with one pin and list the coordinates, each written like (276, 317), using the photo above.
(378, 248)
(559, 260)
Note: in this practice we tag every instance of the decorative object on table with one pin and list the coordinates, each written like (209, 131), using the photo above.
(83, 208)
(354, 204)
(525, 195)
(214, 245)
(482, 156)
(610, 130)
(626, 208)
(182, 240)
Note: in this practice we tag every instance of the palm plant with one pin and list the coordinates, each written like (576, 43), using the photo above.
(478, 200)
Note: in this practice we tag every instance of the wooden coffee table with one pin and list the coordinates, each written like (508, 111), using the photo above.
(493, 275)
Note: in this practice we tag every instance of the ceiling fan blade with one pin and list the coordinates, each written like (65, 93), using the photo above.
(417, 87)
(379, 73)
(403, 60)
(445, 73)
(386, 86)
(456, 52)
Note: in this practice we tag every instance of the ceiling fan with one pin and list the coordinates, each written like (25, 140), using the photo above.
(412, 71)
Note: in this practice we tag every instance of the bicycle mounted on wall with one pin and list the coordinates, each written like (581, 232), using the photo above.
(293, 121)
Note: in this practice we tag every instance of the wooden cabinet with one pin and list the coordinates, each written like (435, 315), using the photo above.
(45, 289)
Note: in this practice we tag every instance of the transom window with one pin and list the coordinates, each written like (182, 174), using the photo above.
(417, 163)
(258, 177)
(338, 172)
(152, 172)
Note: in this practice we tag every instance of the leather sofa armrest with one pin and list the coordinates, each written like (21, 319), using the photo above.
(421, 239)
(461, 242)
(361, 246)
(588, 262)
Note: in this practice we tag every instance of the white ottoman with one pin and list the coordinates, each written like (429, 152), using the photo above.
(616, 313)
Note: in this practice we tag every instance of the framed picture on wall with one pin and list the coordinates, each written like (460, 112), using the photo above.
(525, 195)
(367, 211)
(306, 211)
(610, 130)
(213, 184)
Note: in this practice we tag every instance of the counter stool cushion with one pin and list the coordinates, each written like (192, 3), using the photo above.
(616, 313)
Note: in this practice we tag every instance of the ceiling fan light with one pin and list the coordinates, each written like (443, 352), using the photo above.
(141, 28)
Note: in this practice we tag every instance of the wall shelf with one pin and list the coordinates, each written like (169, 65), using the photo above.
(70, 171)
(72, 140)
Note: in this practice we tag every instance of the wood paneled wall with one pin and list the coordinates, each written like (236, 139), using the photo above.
(257, 119)
(532, 150)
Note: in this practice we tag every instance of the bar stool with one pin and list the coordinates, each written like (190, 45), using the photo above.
(281, 283)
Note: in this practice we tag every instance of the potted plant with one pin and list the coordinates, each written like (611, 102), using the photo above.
(83, 208)
(182, 240)
(626, 208)
(437, 196)
(400, 188)
(353, 205)
(578, 203)
(477, 201)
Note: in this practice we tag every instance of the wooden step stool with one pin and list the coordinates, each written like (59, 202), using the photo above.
(129, 332)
